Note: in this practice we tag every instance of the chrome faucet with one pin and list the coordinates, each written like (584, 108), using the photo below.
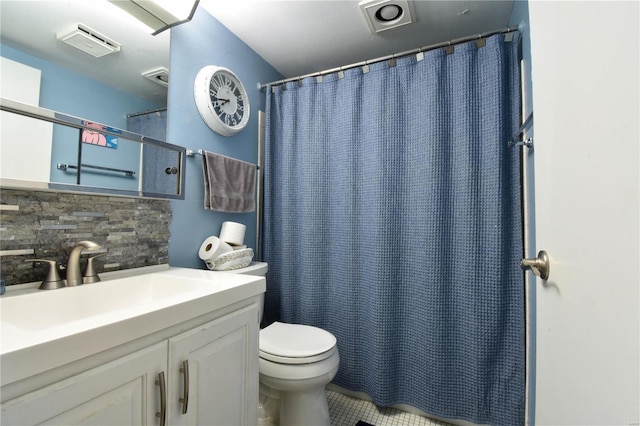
(74, 275)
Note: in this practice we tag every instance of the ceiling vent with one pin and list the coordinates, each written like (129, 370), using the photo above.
(89, 41)
(382, 15)
(158, 75)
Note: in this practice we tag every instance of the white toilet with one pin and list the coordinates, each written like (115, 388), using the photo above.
(296, 363)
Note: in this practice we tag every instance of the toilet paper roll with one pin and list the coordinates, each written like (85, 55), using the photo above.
(211, 264)
(233, 233)
(213, 247)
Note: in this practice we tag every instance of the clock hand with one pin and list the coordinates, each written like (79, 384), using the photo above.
(224, 101)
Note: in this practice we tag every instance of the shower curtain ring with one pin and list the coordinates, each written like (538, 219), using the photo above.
(449, 49)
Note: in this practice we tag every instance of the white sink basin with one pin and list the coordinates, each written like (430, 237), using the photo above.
(48, 328)
(53, 308)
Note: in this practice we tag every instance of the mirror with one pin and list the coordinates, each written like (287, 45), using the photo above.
(48, 150)
(105, 89)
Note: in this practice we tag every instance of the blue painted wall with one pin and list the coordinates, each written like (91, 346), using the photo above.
(75, 94)
(200, 42)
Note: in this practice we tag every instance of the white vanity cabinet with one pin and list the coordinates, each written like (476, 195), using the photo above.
(121, 392)
(220, 387)
(214, 372)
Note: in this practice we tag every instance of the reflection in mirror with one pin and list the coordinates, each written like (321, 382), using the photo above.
(66, 66)
(65, 78)
(107, 161)
(70, 153)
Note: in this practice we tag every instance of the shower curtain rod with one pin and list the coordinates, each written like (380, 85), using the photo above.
(453, 42)
(151, 111)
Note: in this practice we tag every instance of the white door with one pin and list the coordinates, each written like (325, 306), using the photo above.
(586, 102)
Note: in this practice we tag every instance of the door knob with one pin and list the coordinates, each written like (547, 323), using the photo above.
(539, 265)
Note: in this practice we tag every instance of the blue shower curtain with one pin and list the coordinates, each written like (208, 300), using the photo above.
(392, 219)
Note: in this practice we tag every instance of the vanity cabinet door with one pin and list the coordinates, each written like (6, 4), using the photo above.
(222, 362)
(121, 392)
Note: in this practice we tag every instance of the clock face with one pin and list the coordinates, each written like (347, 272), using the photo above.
(222, 100)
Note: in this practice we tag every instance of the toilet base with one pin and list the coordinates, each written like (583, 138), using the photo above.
(299, 408)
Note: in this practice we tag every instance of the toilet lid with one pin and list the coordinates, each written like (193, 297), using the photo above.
(295, 341)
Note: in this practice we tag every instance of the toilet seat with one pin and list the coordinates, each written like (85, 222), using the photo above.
(296, 343)
(297, 360)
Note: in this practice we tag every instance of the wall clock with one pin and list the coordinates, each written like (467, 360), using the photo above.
(221, 99)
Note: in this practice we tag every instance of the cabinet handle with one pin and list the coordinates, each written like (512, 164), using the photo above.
(163, 399)
(185, 386)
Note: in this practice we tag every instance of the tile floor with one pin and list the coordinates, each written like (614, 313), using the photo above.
(347, 411)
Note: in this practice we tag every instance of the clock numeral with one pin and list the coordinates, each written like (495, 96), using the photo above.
(227, 119)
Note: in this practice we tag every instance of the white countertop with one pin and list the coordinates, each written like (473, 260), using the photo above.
(44, 329)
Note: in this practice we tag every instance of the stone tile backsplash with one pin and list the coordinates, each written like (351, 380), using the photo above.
(133, 232)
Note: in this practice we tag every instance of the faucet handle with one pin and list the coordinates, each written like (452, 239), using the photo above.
(90, 276)
(53, 280)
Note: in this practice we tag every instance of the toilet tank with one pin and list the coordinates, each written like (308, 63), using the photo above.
(255, 268)
(259, 269)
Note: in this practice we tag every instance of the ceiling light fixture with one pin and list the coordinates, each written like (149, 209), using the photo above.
(384, 15)
(159, 15)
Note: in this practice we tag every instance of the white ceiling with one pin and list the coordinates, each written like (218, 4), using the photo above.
(305, 36)
(296, 37)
